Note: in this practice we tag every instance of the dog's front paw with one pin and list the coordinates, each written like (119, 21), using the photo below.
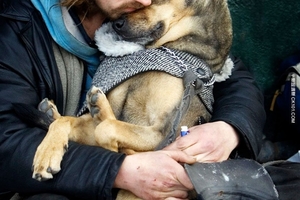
(48, 107)
(47, 161)
(98, 104)
(92, 97)
(49, 154)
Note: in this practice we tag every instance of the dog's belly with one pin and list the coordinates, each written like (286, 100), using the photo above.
(151, 99)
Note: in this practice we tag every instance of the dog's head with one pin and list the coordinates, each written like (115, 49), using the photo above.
(199, 27)
(168, 20)
(146, 26)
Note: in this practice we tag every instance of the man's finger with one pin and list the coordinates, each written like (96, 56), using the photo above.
(180, 156)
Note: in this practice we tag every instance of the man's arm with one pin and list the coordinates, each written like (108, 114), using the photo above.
(237, 121)
(240, 103)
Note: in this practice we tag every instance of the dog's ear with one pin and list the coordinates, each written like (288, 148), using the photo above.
(32, 115)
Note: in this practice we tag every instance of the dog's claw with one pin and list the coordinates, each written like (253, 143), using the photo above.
(38, 177)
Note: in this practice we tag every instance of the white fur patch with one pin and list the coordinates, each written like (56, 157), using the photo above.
(226, 71)
(111, 44)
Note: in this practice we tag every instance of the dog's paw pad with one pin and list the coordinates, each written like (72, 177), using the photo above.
(94, 111)
(94, 98)
(45, 106)
(93, 95)
(50, 113)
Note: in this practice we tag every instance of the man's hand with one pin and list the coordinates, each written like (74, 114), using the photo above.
(210, 142)
(156, 175)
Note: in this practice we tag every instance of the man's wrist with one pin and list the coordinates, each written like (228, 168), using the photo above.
(231, 133)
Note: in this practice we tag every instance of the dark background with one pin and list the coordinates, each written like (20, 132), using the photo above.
(265, 32)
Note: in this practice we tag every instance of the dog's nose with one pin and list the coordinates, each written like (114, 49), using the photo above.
(118, 24)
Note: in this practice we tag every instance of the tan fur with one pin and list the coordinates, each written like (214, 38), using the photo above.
(135, 116)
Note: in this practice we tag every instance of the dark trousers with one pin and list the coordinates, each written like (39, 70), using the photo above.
(285, 175)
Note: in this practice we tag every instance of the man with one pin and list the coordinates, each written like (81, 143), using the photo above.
(47, 50)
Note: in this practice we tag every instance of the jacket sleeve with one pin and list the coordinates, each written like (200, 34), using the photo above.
(87, 172)
(239, 102)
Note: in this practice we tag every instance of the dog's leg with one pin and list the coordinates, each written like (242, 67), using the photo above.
(50, 152)
(117, 135)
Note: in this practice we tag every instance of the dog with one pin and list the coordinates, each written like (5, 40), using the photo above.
(142, 112)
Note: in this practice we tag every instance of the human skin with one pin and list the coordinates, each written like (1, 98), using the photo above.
(156, 175)
(210, 142)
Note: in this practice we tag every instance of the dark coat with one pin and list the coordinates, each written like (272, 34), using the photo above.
(31, 74)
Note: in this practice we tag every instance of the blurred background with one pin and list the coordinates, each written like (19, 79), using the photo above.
(265, 33)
